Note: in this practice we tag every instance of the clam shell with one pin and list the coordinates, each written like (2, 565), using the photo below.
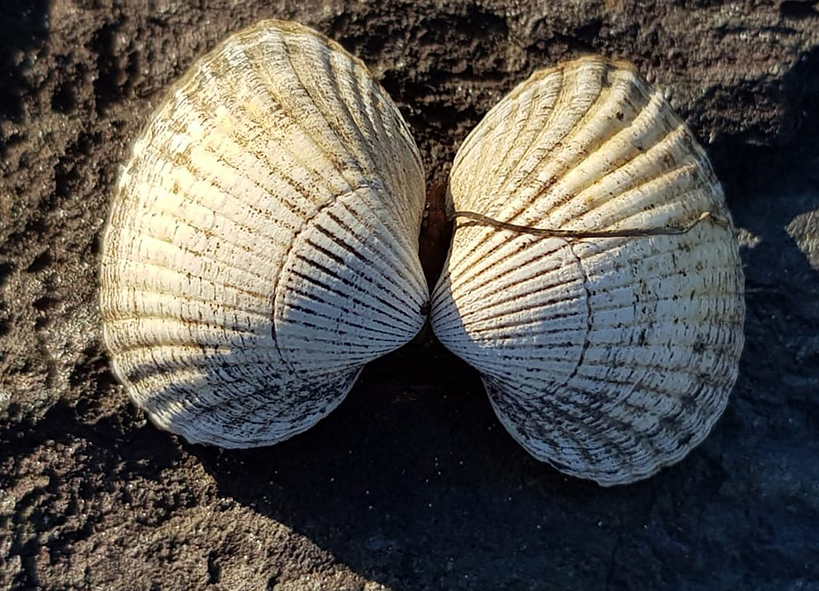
(262, 244)
(609, 358)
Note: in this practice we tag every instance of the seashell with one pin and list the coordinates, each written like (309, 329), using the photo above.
(262, 244)
(608, 353)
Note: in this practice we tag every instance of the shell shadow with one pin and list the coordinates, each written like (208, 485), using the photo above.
(413, 482)
(411, 479)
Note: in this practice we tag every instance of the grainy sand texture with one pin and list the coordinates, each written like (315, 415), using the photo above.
(411, 484)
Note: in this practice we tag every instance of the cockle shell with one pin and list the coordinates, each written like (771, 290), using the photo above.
(606, 357)
(262, 245)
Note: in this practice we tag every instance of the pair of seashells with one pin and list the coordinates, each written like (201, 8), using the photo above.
(262, 247)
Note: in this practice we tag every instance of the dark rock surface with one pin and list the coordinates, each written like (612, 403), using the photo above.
(411, 484)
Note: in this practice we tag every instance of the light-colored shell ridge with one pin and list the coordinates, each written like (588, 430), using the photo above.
(607, 357)
(262, 242)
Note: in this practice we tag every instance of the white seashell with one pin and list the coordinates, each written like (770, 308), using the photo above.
(606, 357)
(262, 245)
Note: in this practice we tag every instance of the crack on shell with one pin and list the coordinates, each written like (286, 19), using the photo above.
(587, 300)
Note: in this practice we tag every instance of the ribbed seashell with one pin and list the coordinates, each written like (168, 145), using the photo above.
(607, 357)
(262, 244)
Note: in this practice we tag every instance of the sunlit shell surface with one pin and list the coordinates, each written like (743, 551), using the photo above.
(262, 244)
(609, 358)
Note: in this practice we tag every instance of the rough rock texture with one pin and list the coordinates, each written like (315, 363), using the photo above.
(411, 484)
